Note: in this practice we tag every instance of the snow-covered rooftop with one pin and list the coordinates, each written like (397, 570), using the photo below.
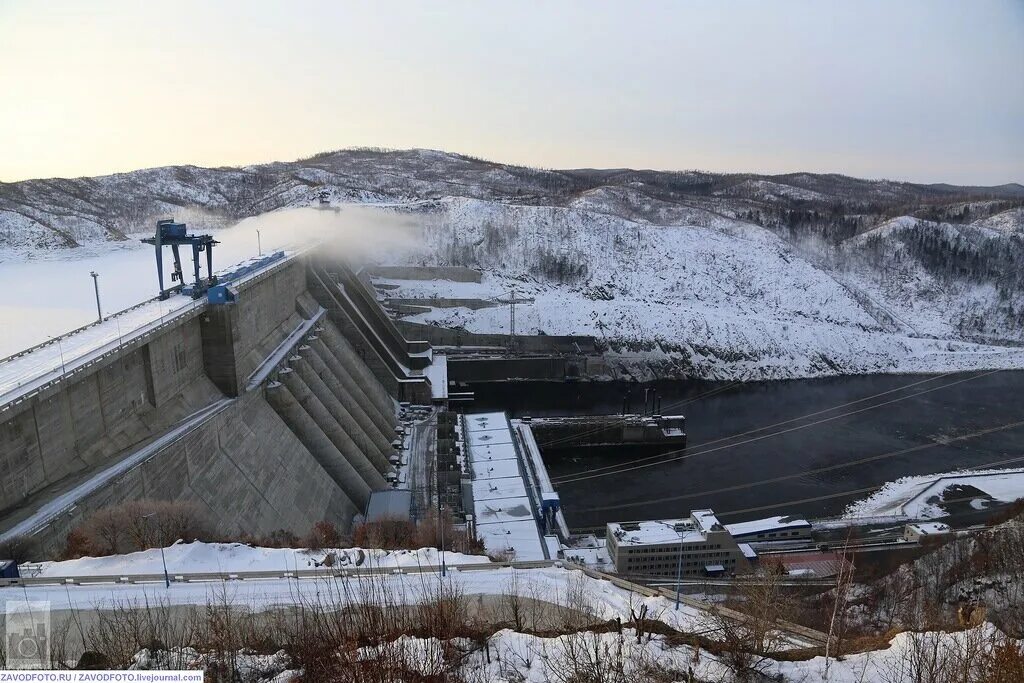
(656, 532)
(502, 507)
(487, 452)
(489, 437)
(705, 519)
(504, 510)
(479, 422)
(926, 528)
(496, 469)
(757, 526)
(520, 537)
(497, 489)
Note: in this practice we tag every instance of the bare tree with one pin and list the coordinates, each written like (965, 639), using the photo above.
(749, 625)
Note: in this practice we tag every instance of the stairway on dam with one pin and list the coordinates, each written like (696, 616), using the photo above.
(273, 412)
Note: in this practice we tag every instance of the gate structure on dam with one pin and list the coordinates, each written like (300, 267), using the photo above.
(271, 403)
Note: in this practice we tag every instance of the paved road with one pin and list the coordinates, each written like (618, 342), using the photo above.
(422, 442)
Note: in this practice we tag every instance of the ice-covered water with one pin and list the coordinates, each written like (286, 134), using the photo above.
(52, 293)
(50, 296)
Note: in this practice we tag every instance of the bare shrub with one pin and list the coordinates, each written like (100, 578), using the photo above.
(324, 535)
(749, 625)
(138, 525)
(281, 538)
(389, 534)
(434, 531)
(1005, 663)
(21, 549)
(977, 655)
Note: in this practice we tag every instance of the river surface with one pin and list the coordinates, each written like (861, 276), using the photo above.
(733, 447)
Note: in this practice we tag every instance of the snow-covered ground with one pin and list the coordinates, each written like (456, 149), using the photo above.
(525, 658)
(723, 300)
(917, 497)
(514, 657)
(205, 558)
(555, 585)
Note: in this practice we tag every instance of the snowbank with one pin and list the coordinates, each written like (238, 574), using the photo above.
(201, 558)
(917, 497)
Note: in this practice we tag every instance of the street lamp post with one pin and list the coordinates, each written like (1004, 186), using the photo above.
(440, 523)
(163, 558)
(259, 244)
(60, 348)
(679, 568)
(96, 286)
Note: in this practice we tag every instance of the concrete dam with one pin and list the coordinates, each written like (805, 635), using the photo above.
(272, 411)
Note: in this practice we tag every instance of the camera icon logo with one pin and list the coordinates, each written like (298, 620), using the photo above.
(27, 634)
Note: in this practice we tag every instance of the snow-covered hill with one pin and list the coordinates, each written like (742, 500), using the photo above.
(720, 298)
(685, 274)
(56, 213)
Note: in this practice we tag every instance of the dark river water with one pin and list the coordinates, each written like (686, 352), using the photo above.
(743, 434)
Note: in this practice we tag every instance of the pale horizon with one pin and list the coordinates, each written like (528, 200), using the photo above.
(924, 92)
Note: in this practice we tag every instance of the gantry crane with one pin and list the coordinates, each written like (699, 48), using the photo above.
(176, 234)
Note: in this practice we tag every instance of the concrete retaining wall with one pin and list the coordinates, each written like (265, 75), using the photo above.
(501, 369)
(422, 305)
(444, 336)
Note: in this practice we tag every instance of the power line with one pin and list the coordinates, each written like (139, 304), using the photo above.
(776, 424)
(851, 491)
(818, 470)
(661, 461)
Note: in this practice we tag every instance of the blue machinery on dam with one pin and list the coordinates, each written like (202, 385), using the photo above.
(216, 287)
(169, 233)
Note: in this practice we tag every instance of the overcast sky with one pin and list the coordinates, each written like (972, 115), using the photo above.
(917, 90)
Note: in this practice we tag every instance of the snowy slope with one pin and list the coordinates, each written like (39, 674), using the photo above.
(917, 497)
(723, 300)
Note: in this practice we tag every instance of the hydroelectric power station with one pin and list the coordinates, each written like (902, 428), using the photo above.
(271, 395)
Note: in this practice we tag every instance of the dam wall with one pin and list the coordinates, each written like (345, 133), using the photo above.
(272, 412)
(84, 423)
(244, 468)
(368, 331)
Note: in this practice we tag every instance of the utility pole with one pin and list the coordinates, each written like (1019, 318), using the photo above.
(163, 559)
(96, 286)
(440, 523)
(259, 244)
(679, 568)
(60, 348)
(512, 322)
